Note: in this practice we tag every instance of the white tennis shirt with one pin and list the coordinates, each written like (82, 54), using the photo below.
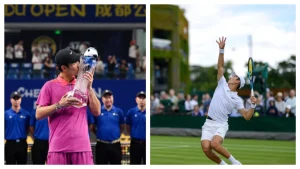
(224, 102)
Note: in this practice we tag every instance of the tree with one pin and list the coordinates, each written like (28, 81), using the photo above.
(205, 78)
(283, 75)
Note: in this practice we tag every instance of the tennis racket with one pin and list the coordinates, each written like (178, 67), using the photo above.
(250, 74)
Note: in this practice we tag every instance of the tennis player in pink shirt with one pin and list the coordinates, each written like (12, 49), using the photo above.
(69, 141)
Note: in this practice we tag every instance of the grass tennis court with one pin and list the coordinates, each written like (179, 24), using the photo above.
(187, 150)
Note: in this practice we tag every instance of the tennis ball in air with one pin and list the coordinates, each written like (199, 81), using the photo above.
(256, 114)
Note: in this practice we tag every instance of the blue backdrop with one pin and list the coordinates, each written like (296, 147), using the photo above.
(124, 91)
(75, 13)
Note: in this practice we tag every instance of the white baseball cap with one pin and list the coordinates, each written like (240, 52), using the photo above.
(242, 81)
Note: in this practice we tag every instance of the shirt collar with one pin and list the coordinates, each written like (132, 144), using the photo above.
(138, 110)
(12, 110)
(64, 82)
(112, 108)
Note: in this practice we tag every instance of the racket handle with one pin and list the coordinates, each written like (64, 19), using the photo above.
(252, 92)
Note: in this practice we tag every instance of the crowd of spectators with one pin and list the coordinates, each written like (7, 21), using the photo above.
(19, 64)
(280, 105)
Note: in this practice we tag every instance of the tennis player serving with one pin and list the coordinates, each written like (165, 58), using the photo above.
(224, 101)
(69, 141)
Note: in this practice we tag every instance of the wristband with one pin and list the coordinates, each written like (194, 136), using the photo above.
(57, 106)
(221, 51)
(253, 106)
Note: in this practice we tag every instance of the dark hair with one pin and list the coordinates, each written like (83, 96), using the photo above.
(59, 66)
(238, 87)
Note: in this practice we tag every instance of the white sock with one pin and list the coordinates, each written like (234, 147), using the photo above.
(223, 163)
(231, 159)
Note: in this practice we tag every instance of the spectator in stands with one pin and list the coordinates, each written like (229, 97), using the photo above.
(292, 101)
(272, 110)
(45, 50)
(259, 109)
(288, 112)
(36, 62)
(133, 54)
(39, 131)
(181, 103)
(138, 58)
(110, 125)
(194, 101)
(270, 97)
(156, 107)
(16, 128)
(35, 47)
(123, 69)
(99, 69)
(279, 103)
(82, 48)
(166, 102)
(285, 96)
(19, 52)
(48, 66)
(173, 99)
(111, 66)
(188, 105)
(206, 103)
(9, 55)
(197, 111)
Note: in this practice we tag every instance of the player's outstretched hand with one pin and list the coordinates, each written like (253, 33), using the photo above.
(253, 99)
(221, 42)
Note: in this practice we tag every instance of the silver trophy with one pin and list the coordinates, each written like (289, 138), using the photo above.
(87, 64)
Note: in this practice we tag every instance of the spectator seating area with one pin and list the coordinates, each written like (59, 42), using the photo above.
(25, 71)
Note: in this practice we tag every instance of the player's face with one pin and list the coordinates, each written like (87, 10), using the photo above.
(233, 82)
(16, 101)
(73, 68)
(141, 101)
(108, 100)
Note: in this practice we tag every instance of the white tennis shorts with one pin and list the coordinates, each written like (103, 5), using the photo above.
(212, 128)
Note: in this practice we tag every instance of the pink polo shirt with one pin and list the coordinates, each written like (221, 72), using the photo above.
(68, 126)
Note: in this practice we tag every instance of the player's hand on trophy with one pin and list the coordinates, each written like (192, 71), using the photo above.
(90, 77)
(66, 101)
(221, 42)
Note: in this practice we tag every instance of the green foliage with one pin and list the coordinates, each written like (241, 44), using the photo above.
(281, 76)
(205, 78)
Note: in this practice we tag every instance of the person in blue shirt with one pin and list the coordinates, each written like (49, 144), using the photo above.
(39, 131)
(16, 129)
(136, 127)
(90, 119)
(110, 125)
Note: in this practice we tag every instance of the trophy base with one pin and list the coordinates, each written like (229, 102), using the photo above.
(80, 96)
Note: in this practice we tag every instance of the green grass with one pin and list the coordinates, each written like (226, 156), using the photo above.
(187, 150)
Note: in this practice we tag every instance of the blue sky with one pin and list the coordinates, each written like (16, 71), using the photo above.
(272, 28)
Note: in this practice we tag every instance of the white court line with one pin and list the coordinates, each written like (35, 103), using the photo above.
(235, 145)
(248, 154)
(231, 148)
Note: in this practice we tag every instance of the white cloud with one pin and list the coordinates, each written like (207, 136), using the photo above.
(271, 42)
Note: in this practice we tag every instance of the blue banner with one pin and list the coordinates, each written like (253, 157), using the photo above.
(75, 13)
(124, 91)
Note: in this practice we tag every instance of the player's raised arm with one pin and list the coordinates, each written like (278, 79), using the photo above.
(221, 44)
(247, 114)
